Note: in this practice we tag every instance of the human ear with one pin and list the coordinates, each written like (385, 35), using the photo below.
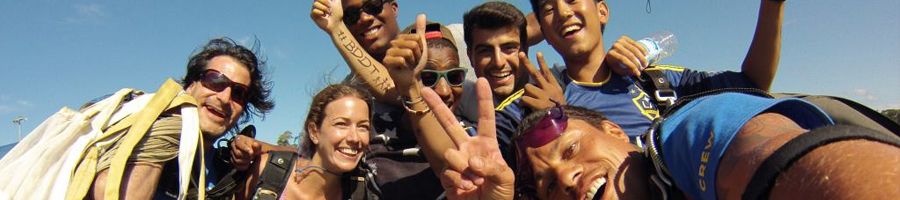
(394, 6)
(615, 130)
(603, 12)
(313, 132)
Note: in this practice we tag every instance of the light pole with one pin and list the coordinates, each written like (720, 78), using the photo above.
(18, 121)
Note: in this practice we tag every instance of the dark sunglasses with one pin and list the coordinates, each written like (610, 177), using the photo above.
(371, 7)
(454, 77)
(216, 81)
(550, 127)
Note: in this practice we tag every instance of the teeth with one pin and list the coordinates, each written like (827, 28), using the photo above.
(348, 151)
(373, 31)
(595, 187)
(571, 28)
(500, 74)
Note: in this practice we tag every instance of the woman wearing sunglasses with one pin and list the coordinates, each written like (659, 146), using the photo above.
(337, 134)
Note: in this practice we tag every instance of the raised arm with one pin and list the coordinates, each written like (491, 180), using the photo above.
(328, 14)
(761, 62)
(406, 58)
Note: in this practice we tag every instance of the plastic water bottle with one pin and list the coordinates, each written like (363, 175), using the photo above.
(659, 45)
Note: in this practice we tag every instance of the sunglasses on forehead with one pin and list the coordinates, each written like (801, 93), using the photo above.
(216, 81)
(550, 127)
(455, 77)
(371, 7)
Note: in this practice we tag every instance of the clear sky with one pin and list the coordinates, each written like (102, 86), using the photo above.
(64, 53)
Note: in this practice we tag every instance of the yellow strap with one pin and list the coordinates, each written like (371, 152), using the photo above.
(83, 177)
(143, 120)
(85, 169)
(509, 100)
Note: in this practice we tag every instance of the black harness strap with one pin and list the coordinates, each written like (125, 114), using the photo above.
(275, 175)
(782, 159)
(657, 84)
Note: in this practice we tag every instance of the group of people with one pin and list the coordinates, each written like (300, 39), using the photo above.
(587, 130)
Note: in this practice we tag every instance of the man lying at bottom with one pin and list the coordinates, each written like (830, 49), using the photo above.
(719, 146)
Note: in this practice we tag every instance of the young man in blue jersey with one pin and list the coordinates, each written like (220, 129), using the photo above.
(575, 30)
(495, 34)
(755, 148)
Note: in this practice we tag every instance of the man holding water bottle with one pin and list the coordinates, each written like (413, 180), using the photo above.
(575, 30)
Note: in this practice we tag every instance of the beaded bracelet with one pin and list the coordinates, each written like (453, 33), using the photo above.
(407, 104)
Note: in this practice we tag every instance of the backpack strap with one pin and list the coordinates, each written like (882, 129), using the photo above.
(781, 160)
(275, 175)
(657, 85)
(142, 122)
(845, 111)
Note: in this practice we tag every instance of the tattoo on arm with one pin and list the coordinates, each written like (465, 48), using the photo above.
(357, 53)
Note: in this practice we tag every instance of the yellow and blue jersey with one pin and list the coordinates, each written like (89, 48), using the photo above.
(622, 100)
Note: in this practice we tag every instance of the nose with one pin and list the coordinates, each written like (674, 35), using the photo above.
(353, 138)
(564, 11)
(568, 178)
(224, 95)
(498, 58)
(442, 88)
(365, 18)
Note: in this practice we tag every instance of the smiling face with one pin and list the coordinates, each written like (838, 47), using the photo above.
(587, 162)
(494, 56)
(573, 27)
(442, 59)
(343, 135)
(218, 109)
(374, 31)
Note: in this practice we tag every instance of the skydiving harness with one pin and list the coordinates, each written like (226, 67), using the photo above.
(652, 145)
(765, 175)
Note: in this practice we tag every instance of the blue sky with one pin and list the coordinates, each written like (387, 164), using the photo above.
(63, 53)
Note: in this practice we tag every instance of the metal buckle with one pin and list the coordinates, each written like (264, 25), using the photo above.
(668, 96)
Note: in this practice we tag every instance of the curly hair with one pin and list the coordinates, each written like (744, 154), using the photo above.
(317, 110)
(259, 88)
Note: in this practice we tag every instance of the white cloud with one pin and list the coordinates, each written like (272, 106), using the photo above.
(87, 13)
(864, 93)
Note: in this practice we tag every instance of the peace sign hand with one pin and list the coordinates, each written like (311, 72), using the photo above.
(475, 169)
(547, 90)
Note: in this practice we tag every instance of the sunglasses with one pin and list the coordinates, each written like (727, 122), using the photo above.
(371, 7)
(216, 81)
(455, 77)
(550, 127)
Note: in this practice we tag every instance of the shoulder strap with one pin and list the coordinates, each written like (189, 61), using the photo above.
(143, 120)
(657, 84)
(275, 175)
(845, 111)
(764, 178)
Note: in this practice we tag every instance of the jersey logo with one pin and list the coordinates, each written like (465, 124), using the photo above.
(643, 103)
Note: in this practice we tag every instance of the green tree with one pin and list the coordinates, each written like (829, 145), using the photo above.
(286, 139)
(893, 114)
